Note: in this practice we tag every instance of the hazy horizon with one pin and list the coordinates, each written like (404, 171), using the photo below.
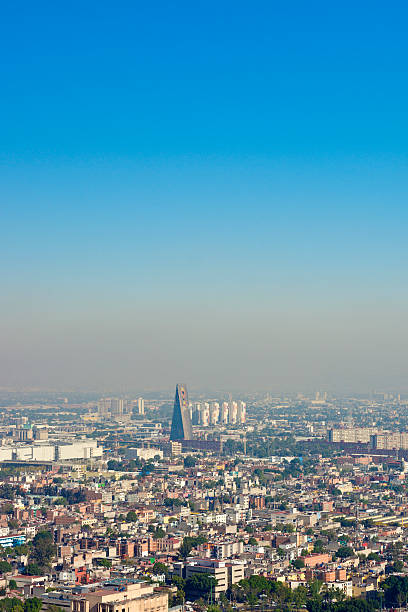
(204, 193)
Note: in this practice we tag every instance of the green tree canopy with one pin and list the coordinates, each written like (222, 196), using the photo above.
(344, 552)
(43, 549)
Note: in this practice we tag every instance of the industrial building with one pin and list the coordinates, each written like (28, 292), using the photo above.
(51, 451)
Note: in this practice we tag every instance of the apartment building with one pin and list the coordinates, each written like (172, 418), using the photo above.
(226, 573)
(134, 597)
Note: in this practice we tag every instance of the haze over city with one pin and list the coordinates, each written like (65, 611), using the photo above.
(206, 192)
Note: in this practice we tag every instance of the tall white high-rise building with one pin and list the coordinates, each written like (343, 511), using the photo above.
(214, 413)
(205, 414)
(195, 413)
(232, 413)
(208, 414)
(118, 406)
(140, 405)
(225, 413)
(112, 405)
(104, 406)
(241, 417)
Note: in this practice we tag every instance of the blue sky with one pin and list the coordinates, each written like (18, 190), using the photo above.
(227, 177)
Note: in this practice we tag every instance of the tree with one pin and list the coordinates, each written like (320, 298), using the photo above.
(33, 569)
(21, 549)
(7, 492)
(252, 541)
(314, 588)
(160, 568)
(54, 608)
(298, 563)
(178, 581)
(348, 522)
(281, 593)
(185, 548)
(43, 549)
(103, 562)
(131, 516)
(189, 543)
(189, 461)
(398, 566)
(300, 596)
(344, 552)
(11, 604)
(170, 502)
(200, 584)
(395, 590)
(260, 475)
(159, 533)
(12, 585)
(178, 599)
(318, 547)
(4, 567)
(32, 604)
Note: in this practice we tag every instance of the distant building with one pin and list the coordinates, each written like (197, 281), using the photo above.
(113, 406)
(143, 453)
(140, 405)
(225, 573)
(390, 440)
(53, 451)
(352, 435)
(181, 428)
(209, 414)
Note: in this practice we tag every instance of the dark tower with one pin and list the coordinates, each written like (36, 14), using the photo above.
(181, 424)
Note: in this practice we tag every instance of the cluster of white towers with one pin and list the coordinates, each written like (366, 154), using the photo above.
(226, 413)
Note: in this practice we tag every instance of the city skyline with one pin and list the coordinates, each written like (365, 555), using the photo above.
(214, 193)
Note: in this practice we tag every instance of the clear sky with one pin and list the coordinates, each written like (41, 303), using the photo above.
(208, 192)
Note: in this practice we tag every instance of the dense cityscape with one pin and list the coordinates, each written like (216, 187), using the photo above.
(133, 504)
(203, 306)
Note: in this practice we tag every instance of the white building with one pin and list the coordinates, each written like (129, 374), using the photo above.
(140, 405)
(143, 453)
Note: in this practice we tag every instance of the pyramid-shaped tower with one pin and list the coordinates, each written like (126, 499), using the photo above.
(181, 428)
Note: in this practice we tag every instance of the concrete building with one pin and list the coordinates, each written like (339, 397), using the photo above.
(214, 413)
(140, 405)
(81, 449)
(136, 597)
(353, 435)
(224, 550)
(34, 452)
(390, 440)
(39, 451)
(224, 413)
(241, 418)
(226, 573)
(143, 453)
